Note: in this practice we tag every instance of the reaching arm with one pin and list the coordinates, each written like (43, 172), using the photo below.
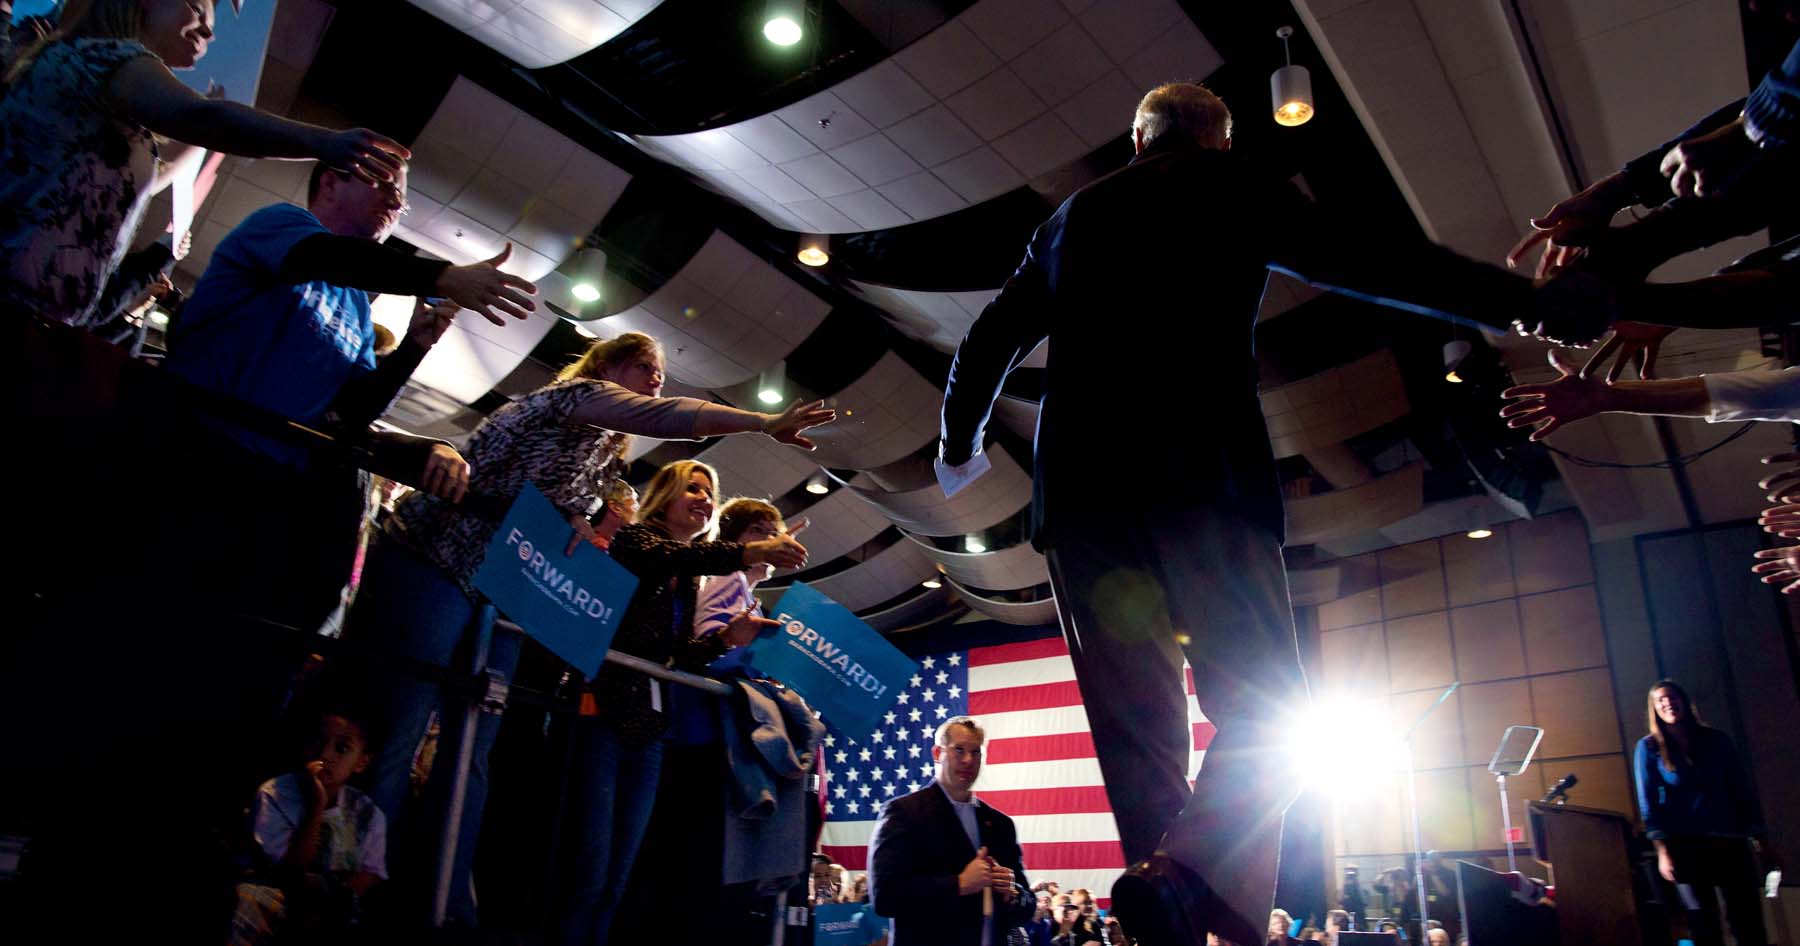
(147, 92)
(612, 407)
(1013, 324)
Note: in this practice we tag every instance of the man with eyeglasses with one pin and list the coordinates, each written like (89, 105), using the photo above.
(934, 852)
(281, 320)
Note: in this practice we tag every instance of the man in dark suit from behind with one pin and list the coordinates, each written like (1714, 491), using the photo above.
(1147, 283)
(934, 851)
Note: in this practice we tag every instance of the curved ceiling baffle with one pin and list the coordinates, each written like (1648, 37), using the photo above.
(539, 33)
(1009, 612)
(1003, 93)
(484, 174)
(725, 316)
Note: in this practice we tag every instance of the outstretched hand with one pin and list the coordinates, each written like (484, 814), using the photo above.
(801, 415)
(1563, 232)
(1705, 165)
(1550, 405)
(1779, 567)
(1783, 487)
(484, 288)
(372, 157)
(1639, 341)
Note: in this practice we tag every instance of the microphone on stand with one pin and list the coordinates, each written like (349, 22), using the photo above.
(1560, 790)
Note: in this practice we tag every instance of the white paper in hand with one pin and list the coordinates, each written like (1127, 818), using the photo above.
(953, 478)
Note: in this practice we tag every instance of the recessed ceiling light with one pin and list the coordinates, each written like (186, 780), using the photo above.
(586, 292)
(1480, 533)
(974, 544)
(931, 583)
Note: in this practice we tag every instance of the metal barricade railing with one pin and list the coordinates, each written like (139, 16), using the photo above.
(348, 447)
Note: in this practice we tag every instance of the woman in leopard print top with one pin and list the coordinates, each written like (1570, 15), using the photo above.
(567, 439)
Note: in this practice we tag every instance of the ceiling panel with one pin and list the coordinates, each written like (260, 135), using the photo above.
(1036, 86)
(539, 33)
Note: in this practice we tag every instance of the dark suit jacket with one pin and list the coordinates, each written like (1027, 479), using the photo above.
(915, 855)
(1147, 283)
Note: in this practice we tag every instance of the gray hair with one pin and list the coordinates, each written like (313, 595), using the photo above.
(1185, 107)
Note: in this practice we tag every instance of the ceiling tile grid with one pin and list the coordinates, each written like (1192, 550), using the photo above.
(841, 523)
(1005, 92)
(725, 316)
(886, 414)
(539, 33)
(484, 173)
(990, 499)
(1335, 405)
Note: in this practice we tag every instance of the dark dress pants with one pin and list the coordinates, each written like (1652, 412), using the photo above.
(1711, 868)
(1211, 585)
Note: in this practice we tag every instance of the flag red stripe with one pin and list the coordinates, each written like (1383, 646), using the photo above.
(1015, 699)
(1024, 650)
(853, 857)
(1203, 735)
(1044, 857)
(1189, 673)
(1069, 745)
(1079, 799)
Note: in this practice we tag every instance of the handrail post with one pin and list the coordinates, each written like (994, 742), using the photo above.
(482, 626)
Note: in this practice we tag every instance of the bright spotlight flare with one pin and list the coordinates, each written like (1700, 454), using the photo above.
(782, 31)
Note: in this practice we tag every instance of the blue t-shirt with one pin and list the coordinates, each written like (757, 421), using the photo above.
(281, 345)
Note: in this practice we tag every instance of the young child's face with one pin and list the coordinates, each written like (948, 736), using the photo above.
(342, 749)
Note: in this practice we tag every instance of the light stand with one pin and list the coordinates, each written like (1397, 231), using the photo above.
(1412, 801)
(1510, 758)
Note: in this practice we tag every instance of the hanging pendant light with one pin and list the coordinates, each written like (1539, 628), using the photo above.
(1290, 87)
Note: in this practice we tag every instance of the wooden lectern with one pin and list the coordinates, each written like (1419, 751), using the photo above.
(1588, 851)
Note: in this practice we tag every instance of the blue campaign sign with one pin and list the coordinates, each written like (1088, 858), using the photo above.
(569, 603)
(843, 667)
(847, 924)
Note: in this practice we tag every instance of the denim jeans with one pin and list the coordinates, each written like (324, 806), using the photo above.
(612, 792)
(407, 607)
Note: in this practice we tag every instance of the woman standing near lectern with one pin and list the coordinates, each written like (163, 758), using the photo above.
(1701, 814)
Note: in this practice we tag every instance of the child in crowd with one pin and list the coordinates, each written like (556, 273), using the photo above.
(321, 844)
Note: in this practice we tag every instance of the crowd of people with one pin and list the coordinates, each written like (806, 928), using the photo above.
(278, 331)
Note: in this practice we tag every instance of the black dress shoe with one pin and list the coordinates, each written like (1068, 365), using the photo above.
(1162, 902)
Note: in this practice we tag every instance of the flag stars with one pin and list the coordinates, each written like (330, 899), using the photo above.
(930, 696)
(828, 809)
(927, 733)
(831, 740)
(842, 756)
(854, 775)
(839, 791)
(875, 774)
(955, 691)
(917, 680)
(928, 663)
(862, 791)
(888, 753)
(943, 677)
(955, 660)
(912, 752)
(943, 711)
(890, 717)
(914, 714)
(853, 807)
(888, 788)
(878, 735)
(912, 786)
(865, 754)
(901, 696)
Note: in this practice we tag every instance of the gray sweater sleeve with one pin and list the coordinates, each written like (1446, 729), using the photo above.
(664, 418)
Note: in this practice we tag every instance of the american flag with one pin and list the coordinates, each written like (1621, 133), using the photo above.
(1038, 767)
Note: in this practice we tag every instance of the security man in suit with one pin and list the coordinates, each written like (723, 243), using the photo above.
(936, 850)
